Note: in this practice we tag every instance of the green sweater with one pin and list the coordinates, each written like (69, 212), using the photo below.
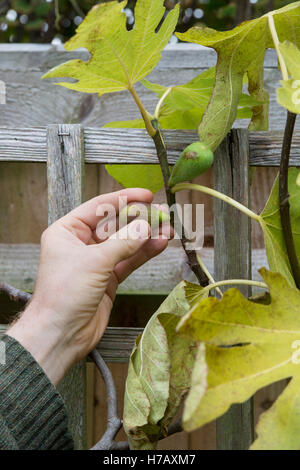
(32, 413)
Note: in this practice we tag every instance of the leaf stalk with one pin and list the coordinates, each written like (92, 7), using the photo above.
(163, 160)
(160, 103)
(237, 282)
(218, 195)
(145, 115)
(275, 38)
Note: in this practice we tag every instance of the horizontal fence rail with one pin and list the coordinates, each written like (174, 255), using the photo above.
(116, 343)
(19, 264)
(135, 146)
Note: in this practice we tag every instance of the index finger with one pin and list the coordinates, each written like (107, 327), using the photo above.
(87, 212)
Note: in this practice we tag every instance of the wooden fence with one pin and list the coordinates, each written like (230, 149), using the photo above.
(65, 148)
(25, 148)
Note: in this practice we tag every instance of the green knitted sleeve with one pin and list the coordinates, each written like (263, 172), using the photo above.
(32, 413)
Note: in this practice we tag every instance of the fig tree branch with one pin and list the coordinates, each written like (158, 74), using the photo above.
(15, 294)
(284, 197)
(163, 160)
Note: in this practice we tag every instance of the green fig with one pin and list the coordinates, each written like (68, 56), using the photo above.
(149, 212)
(194, 160)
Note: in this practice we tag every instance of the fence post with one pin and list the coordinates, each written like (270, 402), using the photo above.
(232, 260)
(65, 174)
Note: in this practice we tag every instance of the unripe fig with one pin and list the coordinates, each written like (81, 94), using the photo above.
(148, 212)
(194, 160)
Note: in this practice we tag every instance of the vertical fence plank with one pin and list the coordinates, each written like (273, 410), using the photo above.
(65, 174)
(233, 260)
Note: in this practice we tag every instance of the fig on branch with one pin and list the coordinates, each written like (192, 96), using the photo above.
(153, 215)
(196, 159)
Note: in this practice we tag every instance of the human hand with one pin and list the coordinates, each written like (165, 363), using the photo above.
(77, 280)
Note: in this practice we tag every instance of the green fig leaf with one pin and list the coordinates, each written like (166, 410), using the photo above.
(288, 95)
(241, 50)
(143, 176)
(184, 106)
(267, 336)
(119, 58)
(272, 227)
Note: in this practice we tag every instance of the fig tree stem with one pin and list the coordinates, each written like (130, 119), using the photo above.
(163, 160)
(284, 197)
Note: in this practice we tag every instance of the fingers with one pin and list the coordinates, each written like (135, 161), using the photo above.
(151, 249)
(124, 244)
(89, 213)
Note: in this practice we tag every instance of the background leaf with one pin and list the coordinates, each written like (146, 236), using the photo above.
(240, 51)
(185, 104)
(271, 225)
(143, 176)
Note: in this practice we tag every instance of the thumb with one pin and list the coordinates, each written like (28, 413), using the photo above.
(127, 241)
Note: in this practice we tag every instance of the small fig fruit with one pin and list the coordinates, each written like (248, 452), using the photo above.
(148, 212)
(194, 160)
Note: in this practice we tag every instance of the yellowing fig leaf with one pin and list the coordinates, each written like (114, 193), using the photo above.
(241, 50)
(159, 374)
(271, 225)
(120, 58)
(194, 293)
(289, 95)
(262, 340)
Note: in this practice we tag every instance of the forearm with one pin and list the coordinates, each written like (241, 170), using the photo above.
(33, 415)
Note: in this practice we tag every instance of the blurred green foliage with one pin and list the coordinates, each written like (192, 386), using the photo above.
(45, 20)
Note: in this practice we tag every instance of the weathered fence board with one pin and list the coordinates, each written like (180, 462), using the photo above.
(134, 146)
(65, 165)
(35, 102)
(233, 261)
(19, 265)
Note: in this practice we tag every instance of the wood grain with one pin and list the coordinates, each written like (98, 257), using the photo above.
(134, 146)
(65, 174)
(233, 261)
(159, 276)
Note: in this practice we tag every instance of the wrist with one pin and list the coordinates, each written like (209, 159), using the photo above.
(45, 342)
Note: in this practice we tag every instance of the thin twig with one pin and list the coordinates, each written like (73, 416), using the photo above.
(284, 197)
(16, 295)
(113, 421)
(171, 200)
(173, 429)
